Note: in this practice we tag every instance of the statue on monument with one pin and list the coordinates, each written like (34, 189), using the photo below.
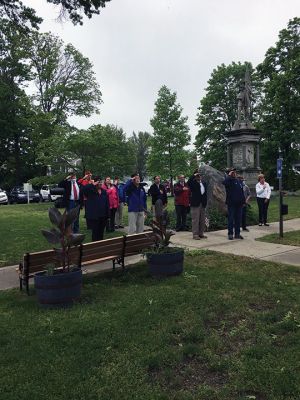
(244, 98)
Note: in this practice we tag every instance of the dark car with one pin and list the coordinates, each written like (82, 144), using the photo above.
(18, 195)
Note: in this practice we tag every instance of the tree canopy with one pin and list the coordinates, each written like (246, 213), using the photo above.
(168, 156)
(280, 110)
(65, 86)
(25, 17)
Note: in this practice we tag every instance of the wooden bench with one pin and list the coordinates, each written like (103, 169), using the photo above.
(115, 250)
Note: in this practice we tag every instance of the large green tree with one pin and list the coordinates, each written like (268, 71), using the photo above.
(66, 86)
(102, 148)
(168, 156)
(141, 143)
(280, 122)
(65, 81)
(218, 111)
(15, 108)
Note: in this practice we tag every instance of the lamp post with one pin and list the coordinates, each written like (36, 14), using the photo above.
(279, 176)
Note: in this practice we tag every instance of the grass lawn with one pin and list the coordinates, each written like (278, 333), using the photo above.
(273, 213)
(291, 238)
(228, 328)
(20, 226)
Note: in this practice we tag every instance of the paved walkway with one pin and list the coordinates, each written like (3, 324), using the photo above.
(216, 241)
(249, 247)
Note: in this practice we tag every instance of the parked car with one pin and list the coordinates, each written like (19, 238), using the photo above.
(3, 197)
(18, 195)
(146, 185)
(45, 193)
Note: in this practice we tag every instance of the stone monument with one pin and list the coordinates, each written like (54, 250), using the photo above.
(243, 138)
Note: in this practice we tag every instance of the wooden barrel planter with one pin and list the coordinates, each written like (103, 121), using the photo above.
(166, 264)
(59, 290)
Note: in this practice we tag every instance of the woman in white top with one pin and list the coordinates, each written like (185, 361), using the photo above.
(263, 193)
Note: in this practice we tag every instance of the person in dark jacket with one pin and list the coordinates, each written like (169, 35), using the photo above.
(198, 190)
(182, 203)
(137, 204)
(158, 192)
(96, 208)
(235, 200)
(73, 196)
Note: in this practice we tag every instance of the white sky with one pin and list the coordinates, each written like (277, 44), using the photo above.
(136, 46)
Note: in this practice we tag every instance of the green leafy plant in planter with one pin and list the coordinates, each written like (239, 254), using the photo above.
(162, 259)
(61, 286)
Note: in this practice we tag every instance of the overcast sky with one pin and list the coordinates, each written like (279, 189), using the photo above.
(136, 46)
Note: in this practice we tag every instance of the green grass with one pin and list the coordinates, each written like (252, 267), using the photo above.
(273, 213)
(227, 329)
(20, 226)
(291, 238)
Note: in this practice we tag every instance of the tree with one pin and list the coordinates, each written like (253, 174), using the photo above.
(141, 142)
(22, 16)
(168, 156)
(280, 108)
(65, 81)
(218, 111)
(15, 107)
(103, 149)
(66, 86)
(74, 9)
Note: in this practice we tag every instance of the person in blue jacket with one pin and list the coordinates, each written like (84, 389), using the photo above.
(137, 204)
(96, 208)
(235, 200)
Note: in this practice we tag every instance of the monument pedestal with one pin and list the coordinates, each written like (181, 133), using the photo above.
(243, 151)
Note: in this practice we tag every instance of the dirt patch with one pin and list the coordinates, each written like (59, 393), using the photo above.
(188, 375)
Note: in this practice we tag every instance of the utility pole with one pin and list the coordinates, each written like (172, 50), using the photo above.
(279, 176)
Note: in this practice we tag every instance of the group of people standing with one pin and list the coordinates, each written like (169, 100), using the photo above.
(104, 202)
(237, 199)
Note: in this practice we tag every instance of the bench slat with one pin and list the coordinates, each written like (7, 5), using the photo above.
(103, 243)
(113, 254)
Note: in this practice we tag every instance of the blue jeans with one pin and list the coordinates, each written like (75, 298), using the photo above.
(234, 219)
(74, 204)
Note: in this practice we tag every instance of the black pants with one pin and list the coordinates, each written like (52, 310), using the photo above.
(181, 213)
(262, 210)
(110, 224)
(97, 226)
(234, 219)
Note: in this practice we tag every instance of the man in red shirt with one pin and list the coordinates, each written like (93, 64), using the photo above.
(182, 203)
(86, 179)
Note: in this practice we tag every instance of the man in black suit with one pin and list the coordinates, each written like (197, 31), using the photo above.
(72, 196)
(158, 192)
(198, 204)
(96, 208)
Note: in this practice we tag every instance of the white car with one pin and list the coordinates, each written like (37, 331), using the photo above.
(45, 193)
(3, 197)
(146, 185)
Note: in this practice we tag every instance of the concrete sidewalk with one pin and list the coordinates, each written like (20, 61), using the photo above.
(9, 276)
(216, 241)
